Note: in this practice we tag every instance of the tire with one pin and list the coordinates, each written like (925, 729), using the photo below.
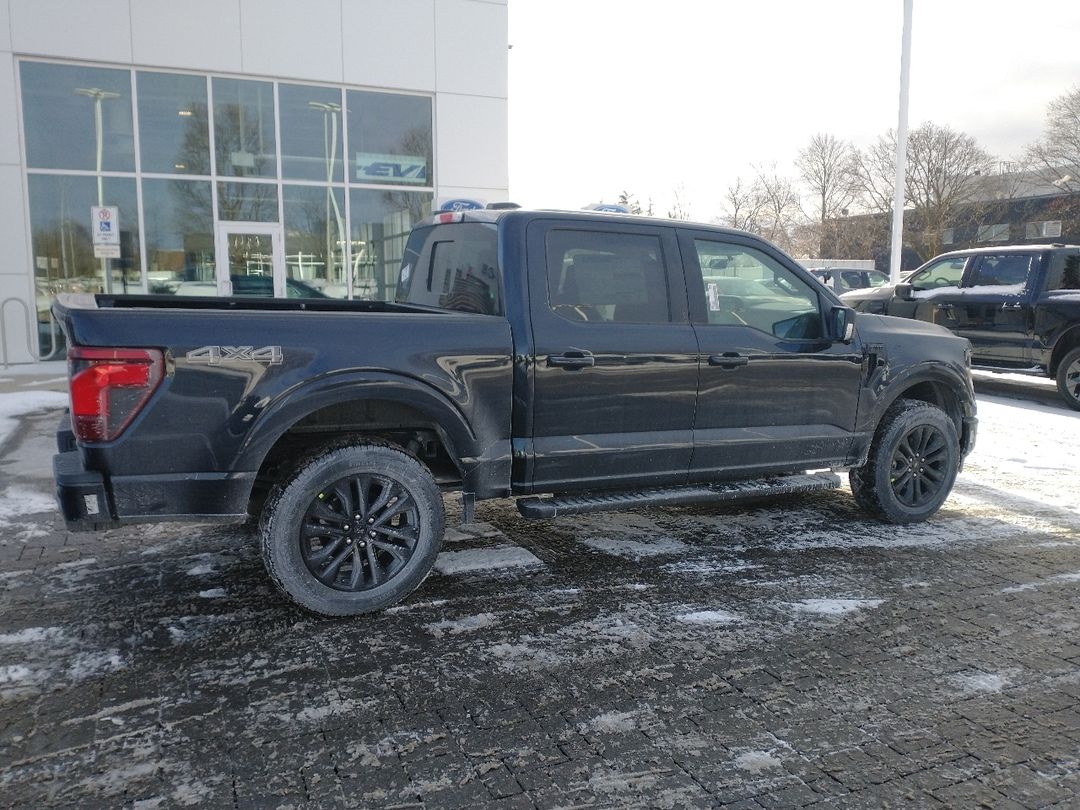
(912, 465)
(1068, 379)
(328, 563)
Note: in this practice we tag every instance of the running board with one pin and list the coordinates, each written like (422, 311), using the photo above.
(543, 508)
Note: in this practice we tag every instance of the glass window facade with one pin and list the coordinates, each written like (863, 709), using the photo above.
(344, 173)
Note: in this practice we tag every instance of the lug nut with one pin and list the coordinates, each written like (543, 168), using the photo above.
(346, 527)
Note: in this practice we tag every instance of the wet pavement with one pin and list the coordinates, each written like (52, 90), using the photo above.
(787, 654)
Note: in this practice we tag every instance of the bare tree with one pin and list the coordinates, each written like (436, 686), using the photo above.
(825, 166)
(940, 184)
(680, 209)
(1056, 155)
(633, 205)
(872, 175)
(780, 209)
(742, 206)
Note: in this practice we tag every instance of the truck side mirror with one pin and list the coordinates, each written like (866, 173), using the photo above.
(904, 292)
(842, 324)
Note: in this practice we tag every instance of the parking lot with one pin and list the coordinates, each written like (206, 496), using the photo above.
(787, 654)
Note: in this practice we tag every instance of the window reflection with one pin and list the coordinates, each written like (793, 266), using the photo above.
(244, 140)
(314, 238)
(174, 131)
(381, 221)
(63, 250)
(389, 138)
(310, 133)
(179, 237)
(77, 117)
(247, 202)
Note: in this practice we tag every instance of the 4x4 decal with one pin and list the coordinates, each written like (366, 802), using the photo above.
(216, 355)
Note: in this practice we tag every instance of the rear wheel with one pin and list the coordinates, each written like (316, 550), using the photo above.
(355, 529)
(1068, 379)
(912, 464)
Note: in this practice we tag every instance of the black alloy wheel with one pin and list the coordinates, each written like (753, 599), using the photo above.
(359, 532)
(912, 464)
(919, 466)
(355, 528)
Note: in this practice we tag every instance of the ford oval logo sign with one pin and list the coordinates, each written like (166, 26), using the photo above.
(461, 204)
(608, 208)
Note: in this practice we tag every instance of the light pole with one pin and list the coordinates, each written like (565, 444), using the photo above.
(99, 95)
(895, 254)
(330, 112)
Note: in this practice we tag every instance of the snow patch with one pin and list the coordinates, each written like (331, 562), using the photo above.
(200, 570)
(636, 549)
(19, 501)
(709, 617)
(213, 593)
(613, 722)
(16, 674)
(466, 624)
(485, 559)
(835, 607)
(32, 635)
(24, 403)
(979, 681)
(757, 761)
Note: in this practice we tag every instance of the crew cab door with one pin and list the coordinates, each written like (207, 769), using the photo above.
(614, 367)
(992, 307)
(775, 393)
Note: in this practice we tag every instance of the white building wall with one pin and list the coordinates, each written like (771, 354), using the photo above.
(455, 49)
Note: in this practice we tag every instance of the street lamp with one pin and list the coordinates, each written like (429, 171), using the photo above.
(99, 95)
(330, 112)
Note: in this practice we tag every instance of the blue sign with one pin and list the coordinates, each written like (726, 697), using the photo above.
(608, 208)
(461, 204)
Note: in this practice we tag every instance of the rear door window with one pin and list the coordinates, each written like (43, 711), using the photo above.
(1064, 272)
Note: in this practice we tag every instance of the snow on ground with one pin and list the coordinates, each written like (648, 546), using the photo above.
(1027, 451)
(709, 617)
(466, 624)
(834, 607)
(485, 559)
(979, 681)
(23, 403)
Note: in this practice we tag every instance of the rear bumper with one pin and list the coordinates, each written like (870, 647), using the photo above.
(89, 501)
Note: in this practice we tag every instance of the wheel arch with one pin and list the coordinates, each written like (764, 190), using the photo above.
(1068, 340)
(937, 386)
(358, 394)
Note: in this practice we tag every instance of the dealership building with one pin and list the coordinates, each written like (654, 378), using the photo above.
(235, 147)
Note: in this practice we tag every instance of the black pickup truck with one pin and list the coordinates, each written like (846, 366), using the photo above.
(580, 361)
(1018, 305)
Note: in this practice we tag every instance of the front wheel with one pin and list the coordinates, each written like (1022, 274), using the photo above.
(1068, 379)
(912, 464)
(355, 529)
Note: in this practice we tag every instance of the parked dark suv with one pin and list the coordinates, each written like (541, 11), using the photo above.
(1018, 305)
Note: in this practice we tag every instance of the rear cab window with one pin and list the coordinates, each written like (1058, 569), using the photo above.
(453, 267)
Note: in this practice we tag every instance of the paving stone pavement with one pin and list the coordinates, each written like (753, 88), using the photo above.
(788, 654)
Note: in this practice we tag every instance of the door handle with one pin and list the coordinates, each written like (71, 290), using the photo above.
(728, 360)
(1010, 307)
(572, 360)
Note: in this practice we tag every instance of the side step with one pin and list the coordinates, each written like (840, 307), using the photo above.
(535, 508)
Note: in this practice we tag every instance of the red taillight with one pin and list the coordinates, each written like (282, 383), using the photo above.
(109, 387)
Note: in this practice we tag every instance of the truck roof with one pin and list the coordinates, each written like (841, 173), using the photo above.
(494, 215)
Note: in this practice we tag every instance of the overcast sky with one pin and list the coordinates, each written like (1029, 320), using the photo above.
(649, 95)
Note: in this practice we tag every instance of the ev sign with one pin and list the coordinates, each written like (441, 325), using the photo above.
(105, 226)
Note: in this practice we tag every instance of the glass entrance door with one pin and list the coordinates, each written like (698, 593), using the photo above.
(251, 260)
